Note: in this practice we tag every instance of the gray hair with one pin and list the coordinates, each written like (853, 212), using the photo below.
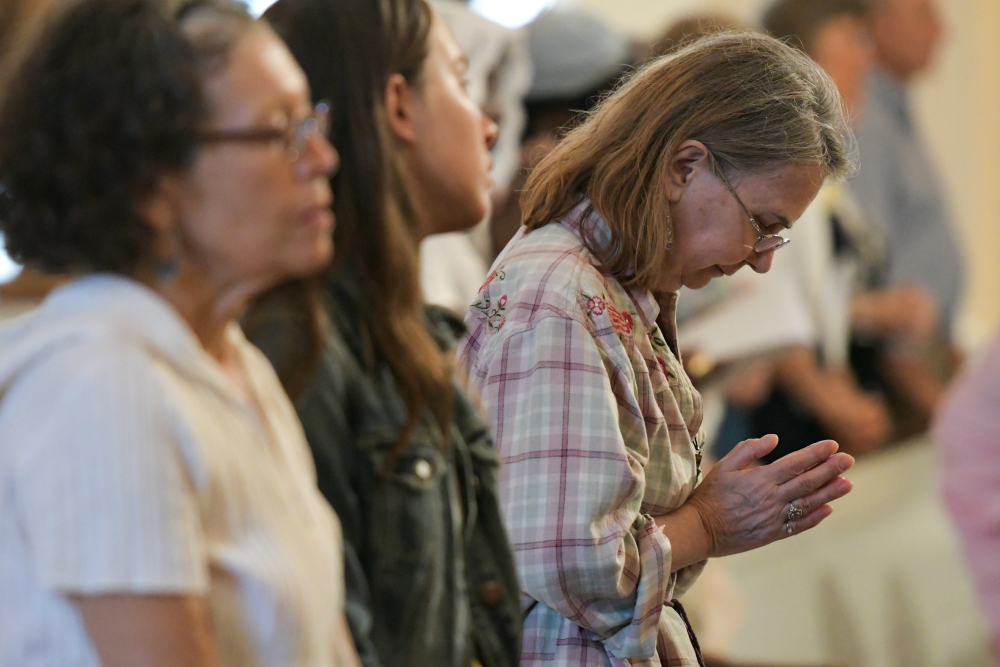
(212, 27)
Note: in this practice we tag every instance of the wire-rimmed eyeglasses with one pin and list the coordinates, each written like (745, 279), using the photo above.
(295, 135)
(765, 242)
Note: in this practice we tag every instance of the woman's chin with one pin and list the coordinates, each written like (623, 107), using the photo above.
(702, 278)
(311, 259)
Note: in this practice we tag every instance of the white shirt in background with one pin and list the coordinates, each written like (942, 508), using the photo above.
(451, 271)
(130, 464)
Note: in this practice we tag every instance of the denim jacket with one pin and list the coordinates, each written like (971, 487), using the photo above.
(430, 575)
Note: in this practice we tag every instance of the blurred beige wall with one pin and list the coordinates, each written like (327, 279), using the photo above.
(957, 105)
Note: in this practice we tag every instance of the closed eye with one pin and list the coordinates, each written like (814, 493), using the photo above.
(781, 224)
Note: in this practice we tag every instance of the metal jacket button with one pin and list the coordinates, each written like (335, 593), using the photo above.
(422, 469)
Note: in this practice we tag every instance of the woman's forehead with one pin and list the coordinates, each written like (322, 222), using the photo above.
(781, 192)
(261, 77)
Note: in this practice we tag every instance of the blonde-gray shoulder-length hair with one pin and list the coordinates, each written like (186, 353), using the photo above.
(752, 100)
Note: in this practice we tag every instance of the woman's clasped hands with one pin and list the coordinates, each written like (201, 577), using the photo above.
(742, 506)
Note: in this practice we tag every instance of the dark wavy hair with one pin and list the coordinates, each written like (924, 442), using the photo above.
(106, 100)
(348, 50)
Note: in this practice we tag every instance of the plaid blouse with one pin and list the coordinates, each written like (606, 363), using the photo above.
(598, 428)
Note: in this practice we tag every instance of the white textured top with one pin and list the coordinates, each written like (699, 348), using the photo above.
(130, 464)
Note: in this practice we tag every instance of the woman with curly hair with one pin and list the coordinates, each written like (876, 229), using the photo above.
(157, 498)
(685, 173)
(402, 454)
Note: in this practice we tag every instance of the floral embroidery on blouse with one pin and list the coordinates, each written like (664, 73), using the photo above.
(656, 338)
(621, 320)
(594, 304)
(494, 312)
(498, 273)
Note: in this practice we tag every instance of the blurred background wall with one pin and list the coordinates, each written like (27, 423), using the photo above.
(958, 108)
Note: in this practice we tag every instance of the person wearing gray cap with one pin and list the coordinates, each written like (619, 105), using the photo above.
(573, 52)
(576, 58)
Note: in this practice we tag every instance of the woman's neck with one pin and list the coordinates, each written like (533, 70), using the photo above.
(206, 306)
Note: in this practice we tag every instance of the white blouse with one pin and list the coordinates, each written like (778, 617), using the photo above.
(130, 464)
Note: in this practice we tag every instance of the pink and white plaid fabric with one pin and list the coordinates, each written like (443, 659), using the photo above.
(599, 431)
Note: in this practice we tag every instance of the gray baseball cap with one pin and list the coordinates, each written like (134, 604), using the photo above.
(572, 53)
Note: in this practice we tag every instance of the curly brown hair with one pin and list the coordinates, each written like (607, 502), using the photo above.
(106, 101)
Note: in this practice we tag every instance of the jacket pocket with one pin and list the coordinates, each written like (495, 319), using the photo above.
(410, 541)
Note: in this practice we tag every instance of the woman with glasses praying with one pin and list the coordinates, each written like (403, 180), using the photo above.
(158, 504)
(686, 173)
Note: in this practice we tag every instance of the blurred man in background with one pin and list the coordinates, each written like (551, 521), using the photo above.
(898, 181)
(864, 381)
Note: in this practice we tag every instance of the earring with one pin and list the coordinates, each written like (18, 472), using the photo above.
(165, 270)
(166, 265)
(670, 232)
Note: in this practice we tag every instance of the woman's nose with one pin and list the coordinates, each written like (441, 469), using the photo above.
(321, 158)
(761, 262)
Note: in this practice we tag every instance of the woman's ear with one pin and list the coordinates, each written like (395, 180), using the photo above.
(399, 109)
(690, 157)
(162, 209)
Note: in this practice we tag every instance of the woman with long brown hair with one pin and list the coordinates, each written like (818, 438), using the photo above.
(401, 453)
(684, 174)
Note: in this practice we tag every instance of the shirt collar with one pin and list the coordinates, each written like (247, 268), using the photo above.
(132, 310)
(127, 305)
(583, 217)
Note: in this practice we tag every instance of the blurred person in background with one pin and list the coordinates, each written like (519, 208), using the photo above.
(844, 387)
(573, 352)
(680, 33)
(158, 503)
(838, 262)
(576, 58)
(899, 185)
(402, 454)
(967, 434)
(836, 257)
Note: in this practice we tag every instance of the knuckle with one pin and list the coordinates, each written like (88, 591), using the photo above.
(804, 486)
(800, 465)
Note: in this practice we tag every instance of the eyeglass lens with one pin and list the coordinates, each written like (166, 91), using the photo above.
(766, 242)
(769, 243)
(317, 123)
